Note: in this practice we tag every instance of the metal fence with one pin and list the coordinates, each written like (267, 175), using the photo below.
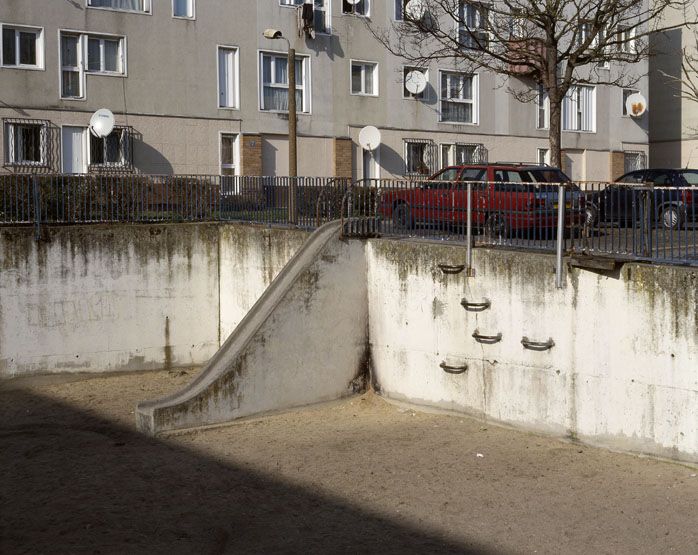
(621, 220)
(72, 199)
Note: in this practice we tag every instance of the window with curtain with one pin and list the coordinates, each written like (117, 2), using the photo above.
(458, 97)
(461, 153)
(364, 78)
(26, 144)
(104, 55)
(22, 47)
(183, 8)
(227, 77)
(579, 109)
(124, 5)
(472, 28)
(228, 153)
(274, 85)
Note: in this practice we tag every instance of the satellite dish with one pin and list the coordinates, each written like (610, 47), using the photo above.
(415, 82)
(636, 105)
(369, 138)
(415, 9)
(102, 123)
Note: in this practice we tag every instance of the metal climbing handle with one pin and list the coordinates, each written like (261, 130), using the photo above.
(487, 338)
(484, 305)
(452, 269)
(537, 345)
(453, 369)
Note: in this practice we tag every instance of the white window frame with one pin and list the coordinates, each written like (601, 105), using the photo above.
(367, 10)
(399, 5)
(305, 86)
(147, 8)
(85, 147)
(573, 99)
(629, 34)
(188, 17)
(482, 24)
(38, 31)
(82, 52)
(453, 153)
(236, 152)
(475, 100)
(542, 105)
(421, 96)
(236, 76)
(9, 132)
(405, 145)
(543, 156)
(327, 8)
(363, 64)
(101, 38)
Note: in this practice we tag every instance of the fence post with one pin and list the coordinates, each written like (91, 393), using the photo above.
(469, 229)
(36, 199)
(560, 234)
(292, 200)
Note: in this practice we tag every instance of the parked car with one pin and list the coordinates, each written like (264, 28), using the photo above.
(506, 198)
(672, 196)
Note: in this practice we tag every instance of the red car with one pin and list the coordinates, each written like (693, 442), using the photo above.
(505, 198)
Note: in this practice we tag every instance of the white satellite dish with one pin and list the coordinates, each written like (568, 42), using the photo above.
(102, 123)
(369, 138)
(415, 82)
(415, 9)
(636, 105)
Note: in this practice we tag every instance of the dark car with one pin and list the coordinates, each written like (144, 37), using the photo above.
(668, 197)
(505, 197)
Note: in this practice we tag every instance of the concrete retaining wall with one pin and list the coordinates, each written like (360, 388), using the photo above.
(112, 298)
(622, 372)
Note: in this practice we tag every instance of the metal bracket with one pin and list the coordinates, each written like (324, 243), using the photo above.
(537, 345)
(453, 369)
(475, 307)
(451, 269)
(489, 339)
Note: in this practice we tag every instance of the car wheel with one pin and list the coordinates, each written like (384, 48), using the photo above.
(496, 226)
(671, 217)
(402, 217)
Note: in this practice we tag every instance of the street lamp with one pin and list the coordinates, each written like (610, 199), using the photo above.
(275, 34)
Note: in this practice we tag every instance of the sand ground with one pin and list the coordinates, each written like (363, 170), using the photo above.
(359, 475)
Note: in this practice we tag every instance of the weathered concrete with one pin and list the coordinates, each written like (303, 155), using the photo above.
(303, 342)
(113, 298)
(622, 372)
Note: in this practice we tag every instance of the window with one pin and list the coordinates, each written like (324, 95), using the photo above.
(543, 104)
(112, 151)
(472, 25)
(81, 53)
(458, 97)
(228, 77)
(690, 177)
(22, 47)
(72, 74)
(291, 2)
(626, 94)
(274, 86)
(25, 143)
(579, 109)
(228, 154)
(364, 78)
(399, 14)
(543, 156)
(362, 7)
(407, 94)
(634, 160)
(183, 8)
(461, 153)
(626, 38)
(142, 6)
(322, 21)
(419, 157)
(104, 55)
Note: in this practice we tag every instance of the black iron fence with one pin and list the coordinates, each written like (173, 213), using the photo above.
(623, 220)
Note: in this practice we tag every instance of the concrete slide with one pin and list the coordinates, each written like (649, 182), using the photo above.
(304, 341)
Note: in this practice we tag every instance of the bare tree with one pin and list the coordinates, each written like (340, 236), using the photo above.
(555, 44)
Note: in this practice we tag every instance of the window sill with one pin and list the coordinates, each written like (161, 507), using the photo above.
(184, 18)
(285, 112)
(229, 108)
(74, 98)
(24, 68)
(104, 9)
(578, 131)
(106, 73)
(357, 15)
(471, 124)
(364, 94)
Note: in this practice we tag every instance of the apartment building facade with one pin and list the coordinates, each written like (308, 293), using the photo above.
(197, 89)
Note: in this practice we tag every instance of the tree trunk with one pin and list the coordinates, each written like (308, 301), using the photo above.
(555, 131)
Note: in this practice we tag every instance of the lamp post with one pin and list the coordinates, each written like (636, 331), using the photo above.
(275, 34)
